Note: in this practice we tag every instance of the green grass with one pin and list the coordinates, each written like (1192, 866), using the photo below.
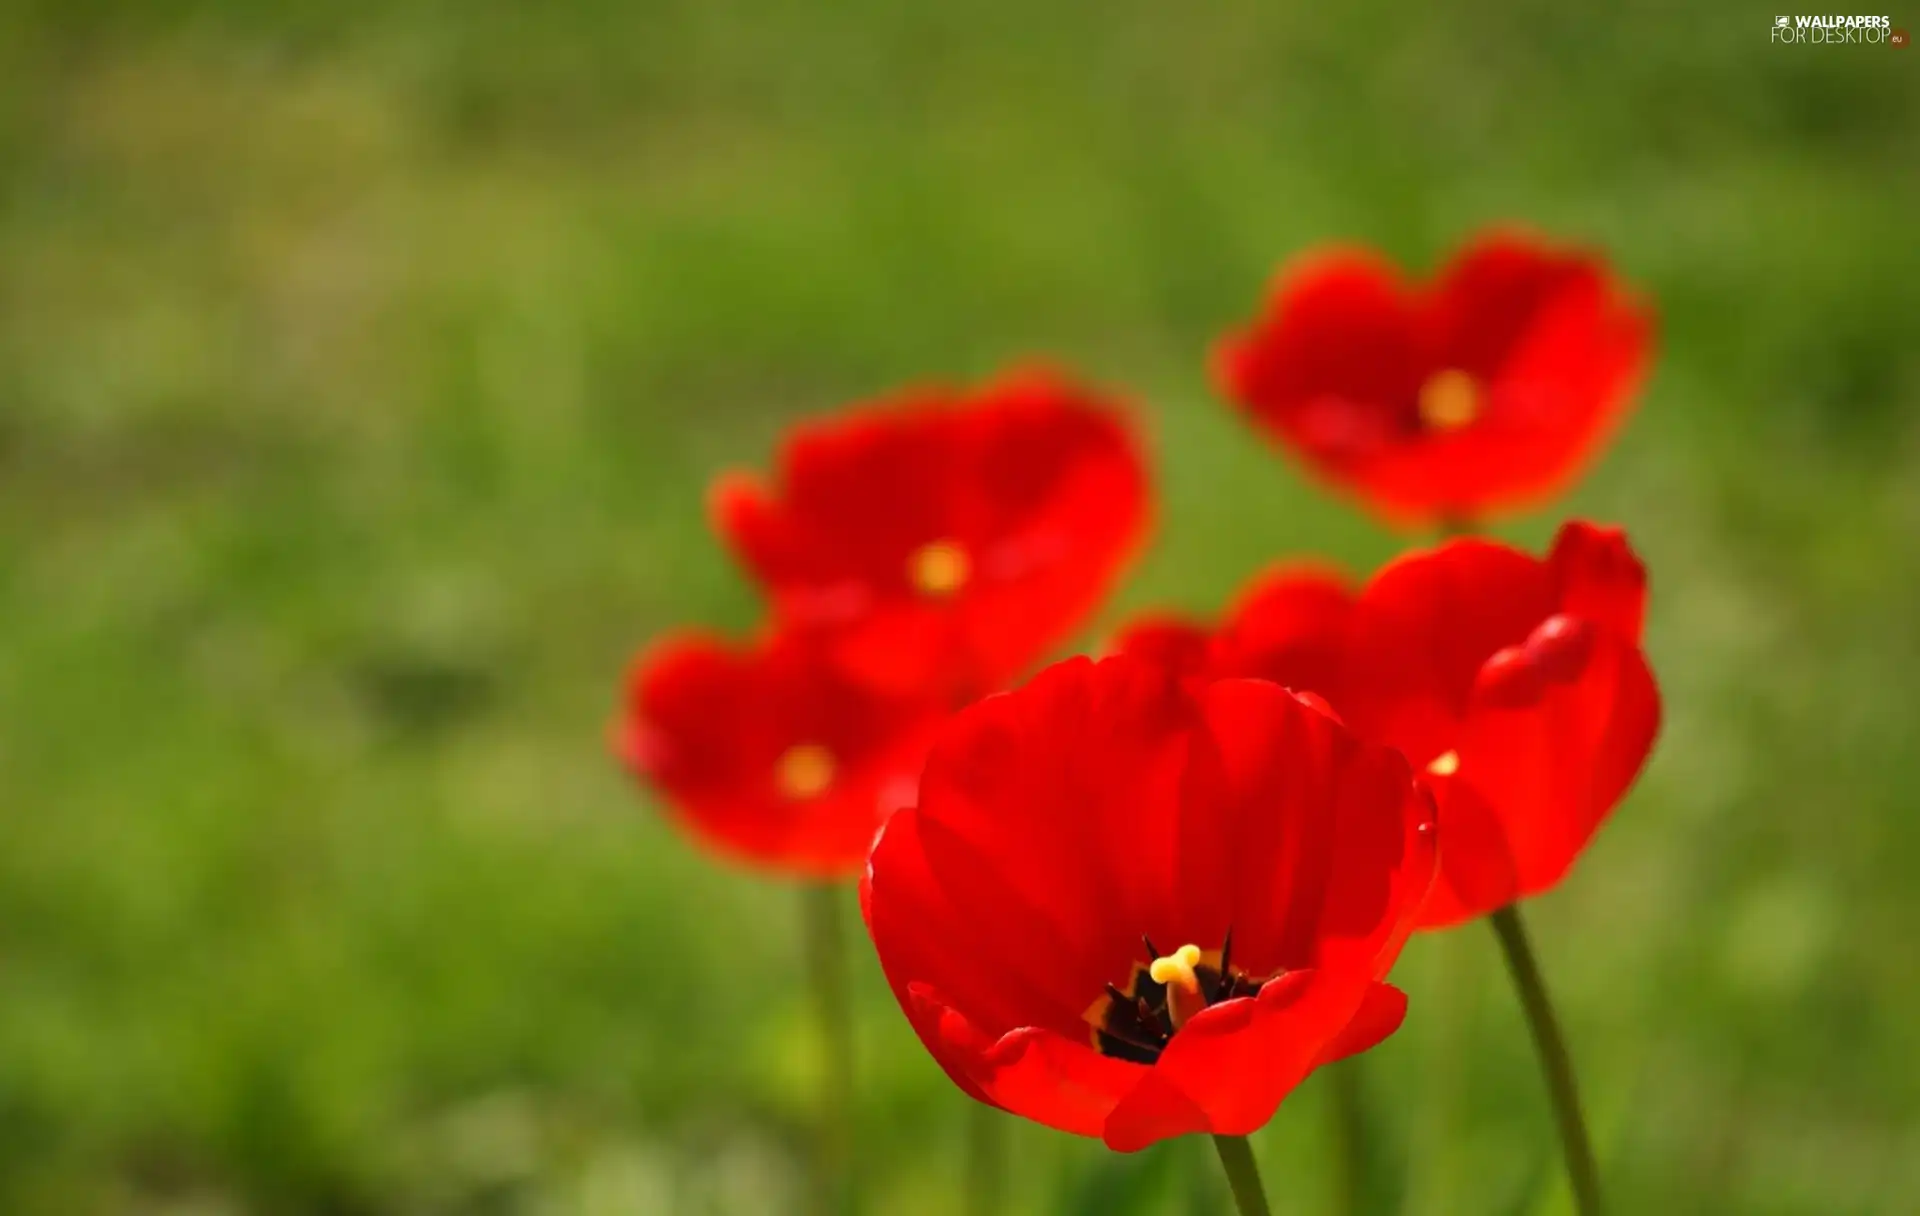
(360, 375)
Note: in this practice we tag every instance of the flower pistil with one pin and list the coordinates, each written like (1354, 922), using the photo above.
(1162, 995)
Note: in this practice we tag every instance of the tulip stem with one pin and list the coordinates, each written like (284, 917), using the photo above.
(1243, 1176)
(986, 1160)
(1554, 1061)
(834, 1190)
(1349, 1133)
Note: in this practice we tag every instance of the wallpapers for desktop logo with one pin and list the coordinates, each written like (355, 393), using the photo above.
(1838, 31)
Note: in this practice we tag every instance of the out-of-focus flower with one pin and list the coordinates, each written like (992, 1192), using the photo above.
(1134, 907)
(1489, 390)
(943, 542)
(768, 754)
(1292, 626)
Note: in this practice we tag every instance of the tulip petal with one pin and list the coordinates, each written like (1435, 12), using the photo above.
(1332, 359)
(1228, 1069)
(1425, 624)
(1381, 1013)
(1033, 488)
(1067, 786)
(960, 949)
(1550, 749)
(1337, 367)
(1292, 626)
(1314, 847)
(1600, 578)
(707, 723)
(1477, 870)
(1179, 645)
(1031, 1072)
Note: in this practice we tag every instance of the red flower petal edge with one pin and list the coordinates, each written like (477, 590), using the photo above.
(767, 754)
(1291, 625)
(1488, 390)
(1132, 907)
(944, 541)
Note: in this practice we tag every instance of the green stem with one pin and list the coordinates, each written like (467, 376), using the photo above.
(1243, 1176)
(834, 1188)
(986, 1160)
(1554, 1061)
(1350, 1134)
(1447, 1007)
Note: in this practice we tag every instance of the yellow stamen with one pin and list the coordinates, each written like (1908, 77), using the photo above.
(1176, 969)
(1449, 400)
(1184, 997)
(939, 569)
(804, 771)
(1446, 764)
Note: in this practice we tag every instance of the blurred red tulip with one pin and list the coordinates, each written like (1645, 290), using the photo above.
(1184, 647)
(1291, 626)
(943, 542)
(1516, 684)
(769, 755)
(1489, 390)
(1134, 908)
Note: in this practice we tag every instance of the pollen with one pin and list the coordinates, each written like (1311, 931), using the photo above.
(1186, 994)
(1446, 764)
(1449, 400)
(1162, 995)
(939, 569)
(1176, 970)
(804, 771)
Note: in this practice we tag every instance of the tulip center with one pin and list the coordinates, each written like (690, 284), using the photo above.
(804, 771)
(1446, 764)
(1449, 400)
(1178, 975)
(939, 569)
(1136, 1021)
(1177, 969)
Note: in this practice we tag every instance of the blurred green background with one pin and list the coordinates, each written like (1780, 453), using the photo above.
(361, 369)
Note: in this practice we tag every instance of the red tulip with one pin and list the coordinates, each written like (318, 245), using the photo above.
(1174, 643)
(767, 754)
(1516, 684)
(1520, 686)
(1133, 908)
(944, 542)
(1488, 390)
(1291, 626)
